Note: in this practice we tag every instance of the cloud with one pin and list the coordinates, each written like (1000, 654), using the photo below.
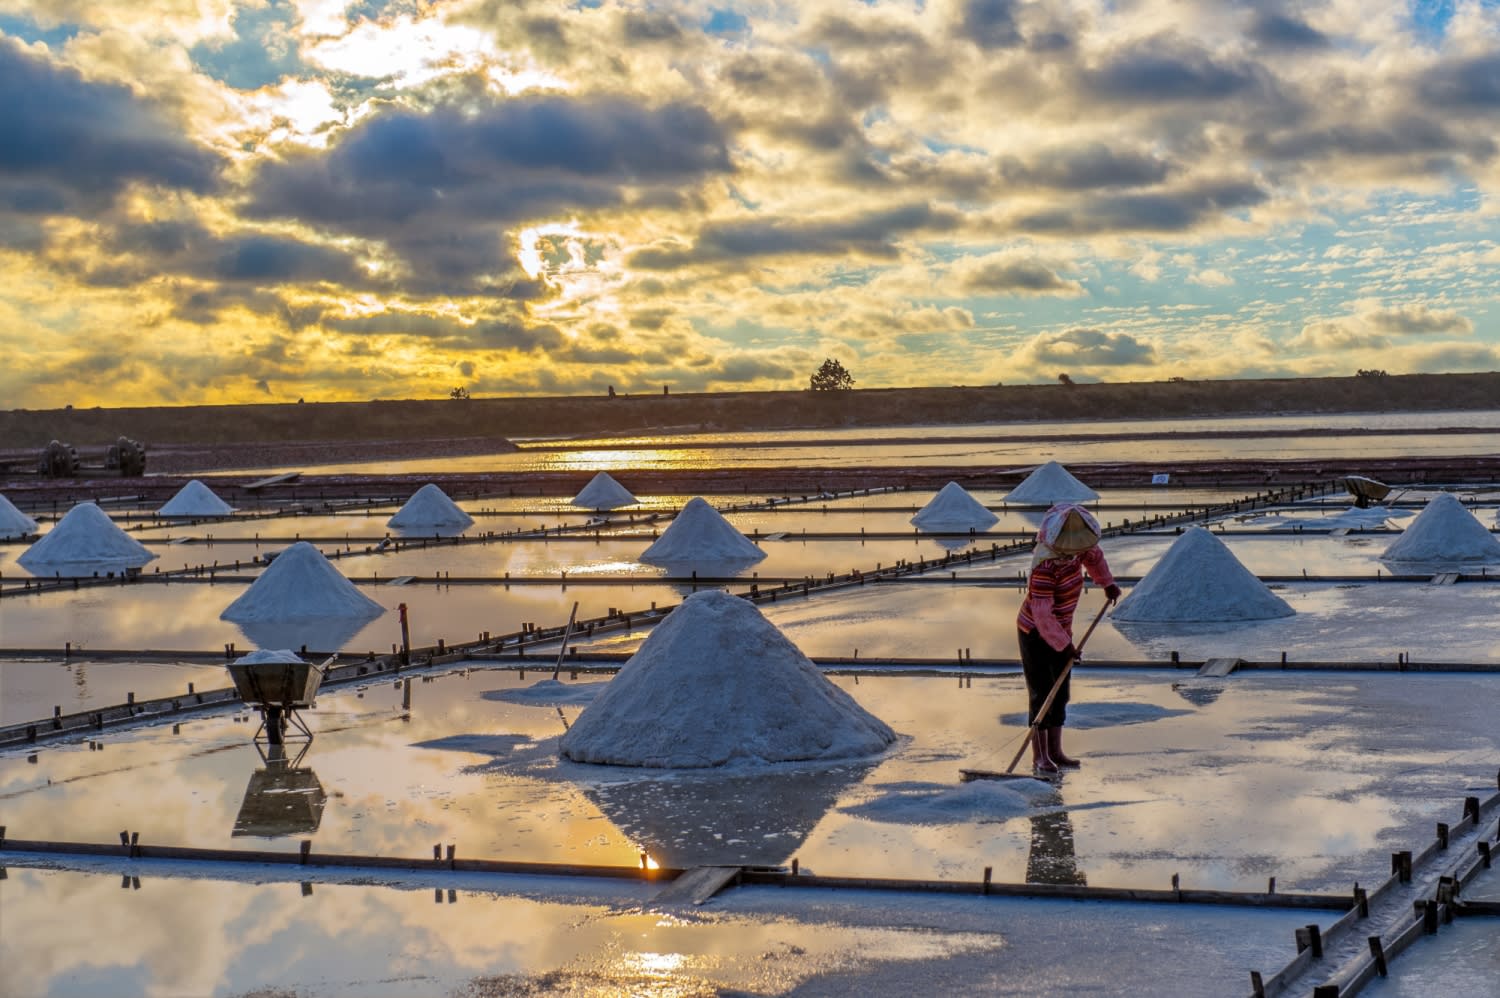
(1088, 348)
(71, 146)
(1471, 84)
(1086, 167)
(439, 187)
(871, 234)
(1275, 30)
(1166, 210)
(1211, 278)
(1167, 68)
(1418, 320)
(1373, 326)
(1012, 273)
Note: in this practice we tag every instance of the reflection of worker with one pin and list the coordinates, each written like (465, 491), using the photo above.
(1051, 859)
(1067, 546)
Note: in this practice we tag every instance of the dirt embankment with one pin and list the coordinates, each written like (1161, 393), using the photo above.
(481, 422)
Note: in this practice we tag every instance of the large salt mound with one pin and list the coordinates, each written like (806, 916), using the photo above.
(86, 535)
(953, 509)
(270, 656)
(13, 522)
(1444, 532)
(701, 534)
(195, 499)
(430, 507)
(1199, 579)
(1049, 484)
(301, 584)
(717, 683)
(603, 492)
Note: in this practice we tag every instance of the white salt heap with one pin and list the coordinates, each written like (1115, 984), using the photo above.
(13, 522)
(700, 533)
(953, 509)
(1444, 532)
(301, 584)
(1199, 579)
(430, 507)
(603, 492)
(1049, 484)
(281, 656)
(86, 536)
(195, 499)
(717, 683)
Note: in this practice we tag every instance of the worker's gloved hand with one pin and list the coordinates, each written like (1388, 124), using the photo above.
(1112, 593)
(1071, 651)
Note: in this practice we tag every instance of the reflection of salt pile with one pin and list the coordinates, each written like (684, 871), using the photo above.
(716, 683)
(953, 509)
(1200, 579)
(1051, 483)
(86, 536)
(195, 499)
(430, 506)
(700, 533)
(603, 492)
(301, 584)
(13, 522)
(1444, 532)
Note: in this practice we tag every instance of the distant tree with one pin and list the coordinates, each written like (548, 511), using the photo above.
(1373, 373)
(831, 377)
(1065, 379)
(459, 393)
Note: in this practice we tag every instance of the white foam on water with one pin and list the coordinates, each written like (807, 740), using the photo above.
(195, 499)
(430, 506)
(1051, 483)
(85, 535)
(301, 584)
(1445, 531)
(701, 534)
(953, 509)
(1199, 579)
(603, 492)
(717, 683)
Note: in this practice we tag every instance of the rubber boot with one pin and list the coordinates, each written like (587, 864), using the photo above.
(1055, 750)
(1041, 759)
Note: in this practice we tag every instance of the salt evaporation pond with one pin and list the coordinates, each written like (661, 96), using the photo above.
(462, 766)
(185, 935)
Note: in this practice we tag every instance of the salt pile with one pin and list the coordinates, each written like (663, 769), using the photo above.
(700, 533)
(1048, 485)
(953, 509)
(603, 492)
(1200, 579)
(715, 683)
(86, 535)
(1444, 532)
(430, 507)
(301, 584)
(279, 656)
(195, 499)
(13, 522)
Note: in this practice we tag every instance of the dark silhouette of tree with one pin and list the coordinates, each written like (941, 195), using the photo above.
(1065, 379)
(831, 377)
(459, 393)
(1373, 373)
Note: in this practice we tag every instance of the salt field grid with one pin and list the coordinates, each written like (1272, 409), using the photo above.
(470, 754)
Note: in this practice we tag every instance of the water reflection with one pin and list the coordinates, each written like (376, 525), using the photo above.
(1051, 859)
(319, 633)
(725, 819)
(282, 798)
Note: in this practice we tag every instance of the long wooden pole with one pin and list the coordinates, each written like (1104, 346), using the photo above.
(563, 648)
(1047, 703)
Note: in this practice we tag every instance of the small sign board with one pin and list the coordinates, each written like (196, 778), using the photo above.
(1160, 478)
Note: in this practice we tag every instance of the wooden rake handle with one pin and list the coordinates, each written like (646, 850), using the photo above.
(1057, 686)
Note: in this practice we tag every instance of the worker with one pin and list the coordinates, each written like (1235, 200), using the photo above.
(1067, 547)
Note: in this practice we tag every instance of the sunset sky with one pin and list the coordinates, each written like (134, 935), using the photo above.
(216, 201)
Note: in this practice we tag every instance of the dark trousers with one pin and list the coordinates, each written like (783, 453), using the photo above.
(1042, 664)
